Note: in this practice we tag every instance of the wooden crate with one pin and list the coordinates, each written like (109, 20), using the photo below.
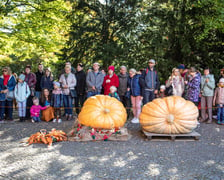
(172, 137)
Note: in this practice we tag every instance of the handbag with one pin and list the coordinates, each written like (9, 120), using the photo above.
(73, 93)
(169, 91)
(10, 95)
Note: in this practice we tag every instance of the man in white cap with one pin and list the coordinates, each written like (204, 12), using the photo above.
(94, 81)
(150, 82)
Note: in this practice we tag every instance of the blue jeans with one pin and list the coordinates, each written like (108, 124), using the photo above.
(220, 113)
(2, 109)
(9, 108)
(36, 119)
(37, 94)
(68, 104)
(148, 96)
(22, 108)
(92, 93)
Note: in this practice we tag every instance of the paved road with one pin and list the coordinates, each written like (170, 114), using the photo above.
(134, 159)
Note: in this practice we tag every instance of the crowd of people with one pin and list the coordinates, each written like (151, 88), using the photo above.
(36, 92)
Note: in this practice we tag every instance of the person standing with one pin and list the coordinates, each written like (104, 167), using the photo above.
(2, 100)
(30, 79)
(219, 100)
(207, 92)
(80, 87)
(150, 81)
(68, 83)
(47, 80)
(182, 69)
(57, 101)
(39, 75)
(122, 88)
(94, 81)
(110, 80)
(135, 88)
(177, 82)
(193, 86)
(221, 75)
(22, 92)
(9, 83)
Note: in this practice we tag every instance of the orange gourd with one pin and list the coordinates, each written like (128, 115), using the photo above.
(169, 115)
(103, 112)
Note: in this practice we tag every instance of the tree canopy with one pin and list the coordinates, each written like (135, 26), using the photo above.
(118, 32)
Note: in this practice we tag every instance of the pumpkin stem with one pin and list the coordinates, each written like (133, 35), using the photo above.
(106, 110)
(170, 118)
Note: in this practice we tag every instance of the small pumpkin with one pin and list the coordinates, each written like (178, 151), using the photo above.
(169, 115)
(103, 112)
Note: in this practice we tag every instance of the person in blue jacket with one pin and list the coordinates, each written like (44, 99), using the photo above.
(9, 83)
(150, 82)
(136, 92)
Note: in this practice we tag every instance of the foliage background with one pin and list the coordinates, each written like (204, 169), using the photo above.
(121, 32)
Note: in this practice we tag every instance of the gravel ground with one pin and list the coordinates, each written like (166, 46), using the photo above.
(134, 159)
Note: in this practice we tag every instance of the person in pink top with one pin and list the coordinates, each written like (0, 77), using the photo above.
(110, 80)
(35, 110)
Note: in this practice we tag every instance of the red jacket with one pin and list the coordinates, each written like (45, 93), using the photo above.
(114, 81)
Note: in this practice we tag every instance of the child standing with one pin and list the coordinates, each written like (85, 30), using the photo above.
(113, 93)
(22, 92)
(219, 100)
(56, 101)
(35, 110)
(162, 91)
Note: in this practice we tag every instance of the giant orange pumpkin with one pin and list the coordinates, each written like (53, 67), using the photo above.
(170, 115)
(103, 112)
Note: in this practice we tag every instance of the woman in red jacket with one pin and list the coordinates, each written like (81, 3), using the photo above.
(110, 80)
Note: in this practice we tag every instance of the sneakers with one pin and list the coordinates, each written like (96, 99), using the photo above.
(135, 120)
(55, 120)
(70, 117)
(32, 121)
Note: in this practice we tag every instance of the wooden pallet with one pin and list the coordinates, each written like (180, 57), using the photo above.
(173, 137)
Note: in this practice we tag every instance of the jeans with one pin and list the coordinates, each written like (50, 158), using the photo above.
(79, 101)
(22, 108)
(148, 96)
(92, 93)
(220, 113)
(37, 94)
(68, 104)
(2, 109)
(9, 108)
(57, 112)
(36, 119)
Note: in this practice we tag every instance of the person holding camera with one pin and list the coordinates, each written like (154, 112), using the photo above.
(207, 93)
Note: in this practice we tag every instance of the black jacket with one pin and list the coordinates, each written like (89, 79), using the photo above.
(81, 82)
(38, 78)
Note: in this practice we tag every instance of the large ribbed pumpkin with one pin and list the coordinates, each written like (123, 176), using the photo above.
(103, 112)
(169, 115)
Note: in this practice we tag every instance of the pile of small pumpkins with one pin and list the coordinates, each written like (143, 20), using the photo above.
(47, 138)
(169, 115)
